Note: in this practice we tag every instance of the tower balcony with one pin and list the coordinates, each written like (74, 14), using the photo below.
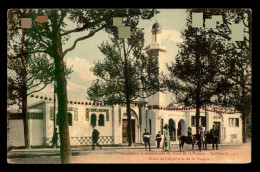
(156, 46)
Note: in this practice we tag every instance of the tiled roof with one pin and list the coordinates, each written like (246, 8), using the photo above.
(171, 105)
(33, 99)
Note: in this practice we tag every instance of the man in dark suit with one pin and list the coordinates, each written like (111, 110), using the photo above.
(215, 137)
(158, 139)
(95, 136)
(146, 138)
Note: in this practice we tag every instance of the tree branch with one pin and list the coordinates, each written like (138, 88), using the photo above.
(63, 14)
(74, 30)
(37, 90)
(81, 39)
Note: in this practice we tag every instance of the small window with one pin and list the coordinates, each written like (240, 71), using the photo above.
(233, 136)
(193, 120)
(93, 120)
(203, 121)
(233, 122)
(70, 119)
(101, 120)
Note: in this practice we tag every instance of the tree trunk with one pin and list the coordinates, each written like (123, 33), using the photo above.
(243, 107)
(24, 96)
(25, 122)
(198, 105)
(129, 123)
(65, 151)
(250, 61)
(250, 35)
(244, 131)
(198, 89)
(128, 110)
(197, 119)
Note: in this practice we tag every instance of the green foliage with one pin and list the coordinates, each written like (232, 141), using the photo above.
(238, 67)
(111, 88)
(223, 65)
(27, 72)
(193, 78)
(211, 69)
(235, 86)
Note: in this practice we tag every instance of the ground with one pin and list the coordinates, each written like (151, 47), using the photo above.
(239, 153)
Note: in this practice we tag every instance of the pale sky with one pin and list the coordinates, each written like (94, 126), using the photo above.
(82, 58)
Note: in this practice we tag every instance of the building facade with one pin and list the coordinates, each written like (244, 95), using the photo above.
(111, 120)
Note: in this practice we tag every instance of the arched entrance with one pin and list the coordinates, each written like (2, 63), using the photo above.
(172, 128)
(134, 122)
(181, 128)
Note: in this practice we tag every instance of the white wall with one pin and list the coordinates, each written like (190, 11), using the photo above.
(152, 115)
(49, 123)
(82, 127)
(36, 132)
(225, 130)
(40, 108)
(232, 130)
(144, 115)
(16, 132)
(116, 126)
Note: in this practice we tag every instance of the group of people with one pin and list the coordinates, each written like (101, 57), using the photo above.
(146, 137)
(214, 133)
(166, 141)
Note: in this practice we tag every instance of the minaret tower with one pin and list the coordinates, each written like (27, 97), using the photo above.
(156, 50)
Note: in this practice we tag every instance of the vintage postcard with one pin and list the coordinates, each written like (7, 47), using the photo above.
(129, 86)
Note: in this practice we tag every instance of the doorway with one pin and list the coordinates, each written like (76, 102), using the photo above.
(124, 130)
(217, 124)
(172, 130)
(181, 128)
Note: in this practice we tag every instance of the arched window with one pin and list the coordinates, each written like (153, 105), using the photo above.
(172, 129)
(101, 120)
(93, 120)
(69, 119)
